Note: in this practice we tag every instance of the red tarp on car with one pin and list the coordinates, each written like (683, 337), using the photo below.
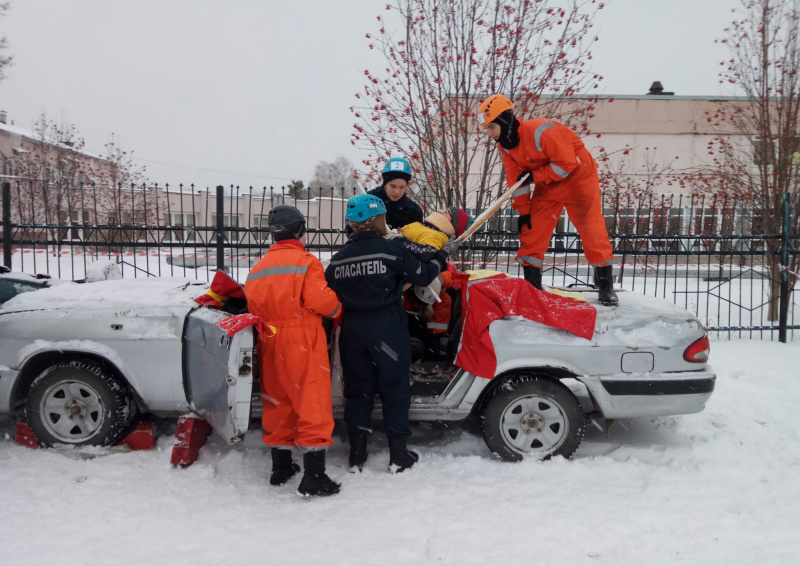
(488, 299)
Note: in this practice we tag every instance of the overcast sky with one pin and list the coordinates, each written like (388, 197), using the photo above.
(256, 92)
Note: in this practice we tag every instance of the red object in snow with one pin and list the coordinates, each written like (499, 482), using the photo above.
(143, 437)
(24, 436)
(222, 287)
(238, 322)
(190, 436)
(498, 296)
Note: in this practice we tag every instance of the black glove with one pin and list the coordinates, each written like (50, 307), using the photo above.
(524, 219)
(441, 259)
(528, 178)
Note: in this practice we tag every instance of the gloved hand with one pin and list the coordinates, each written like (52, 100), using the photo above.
(450, 246)
(528, 178)
(523, 220)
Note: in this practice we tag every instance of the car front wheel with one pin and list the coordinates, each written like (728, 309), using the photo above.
(533, 417)
(78, 403)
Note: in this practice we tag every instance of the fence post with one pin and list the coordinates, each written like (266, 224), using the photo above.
(7, 224)
(783, 304)
(220, 229)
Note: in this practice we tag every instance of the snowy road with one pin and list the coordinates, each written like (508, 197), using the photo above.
(717, 488)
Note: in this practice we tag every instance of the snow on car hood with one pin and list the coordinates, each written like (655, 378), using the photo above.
(637, 321)
(123, 293)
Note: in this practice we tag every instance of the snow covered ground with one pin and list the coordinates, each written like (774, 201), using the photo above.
(717, 488)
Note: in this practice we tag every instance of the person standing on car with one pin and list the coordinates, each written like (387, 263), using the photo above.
(374, 344)
(287, 290)
(564, 174)
(400, 210)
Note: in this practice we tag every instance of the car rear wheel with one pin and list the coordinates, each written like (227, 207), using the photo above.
(78, 403)
(533, 417)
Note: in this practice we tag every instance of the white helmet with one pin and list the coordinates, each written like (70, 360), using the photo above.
(429, 294)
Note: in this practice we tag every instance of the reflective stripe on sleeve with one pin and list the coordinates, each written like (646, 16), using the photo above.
(521, 191)
(530, 260)
(537, 135)
(278, 270)
(558, 170)
(437, 326)
(365, 257)
(334, 313)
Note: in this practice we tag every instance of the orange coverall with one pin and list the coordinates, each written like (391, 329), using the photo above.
(287, 289)
(564, 175)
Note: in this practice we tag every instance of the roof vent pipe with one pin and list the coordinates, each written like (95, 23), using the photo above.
(658, 88)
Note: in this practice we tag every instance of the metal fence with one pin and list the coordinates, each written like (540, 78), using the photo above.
(708, 255)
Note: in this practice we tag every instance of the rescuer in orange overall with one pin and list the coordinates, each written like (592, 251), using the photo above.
(287, 290)
(564, 174)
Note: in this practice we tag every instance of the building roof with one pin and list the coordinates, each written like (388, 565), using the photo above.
(32, 136)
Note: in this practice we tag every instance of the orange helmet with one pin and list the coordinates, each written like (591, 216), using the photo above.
(492, 107)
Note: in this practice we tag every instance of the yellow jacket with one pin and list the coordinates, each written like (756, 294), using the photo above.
(421, 234)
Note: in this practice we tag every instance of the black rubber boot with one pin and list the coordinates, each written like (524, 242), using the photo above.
(358, 452)
(315, 481)
(283, 467)
(605, 286)
(400, 457)
(533, 275)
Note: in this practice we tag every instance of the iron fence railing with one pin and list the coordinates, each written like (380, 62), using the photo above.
(713, 257)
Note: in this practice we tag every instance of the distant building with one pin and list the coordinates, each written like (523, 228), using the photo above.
(658, 127)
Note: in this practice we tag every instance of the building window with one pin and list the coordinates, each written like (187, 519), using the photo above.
(231, 221)
(74, 231)
(765, 151)
(182, 223)
(261, 229)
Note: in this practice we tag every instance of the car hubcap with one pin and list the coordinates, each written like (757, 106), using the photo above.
(72, 411)
(533, 424)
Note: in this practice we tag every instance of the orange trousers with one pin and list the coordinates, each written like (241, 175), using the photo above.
(438, 323)
(296, 386)
(584, 208)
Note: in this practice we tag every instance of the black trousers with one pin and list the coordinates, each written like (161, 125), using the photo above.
(375, 350)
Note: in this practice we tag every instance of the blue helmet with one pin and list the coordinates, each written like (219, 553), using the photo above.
(363, 207)
(396, 168)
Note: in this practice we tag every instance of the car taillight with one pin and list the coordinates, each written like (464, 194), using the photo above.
(698, 351)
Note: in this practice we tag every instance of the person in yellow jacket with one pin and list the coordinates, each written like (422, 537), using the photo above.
(435, 231)
(438, 227)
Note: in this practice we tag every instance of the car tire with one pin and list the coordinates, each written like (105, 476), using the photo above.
(533, 417)
(78, 403)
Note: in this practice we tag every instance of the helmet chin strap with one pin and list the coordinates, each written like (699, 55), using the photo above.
(284, 232)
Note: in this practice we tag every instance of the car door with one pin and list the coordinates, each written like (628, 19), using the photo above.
(218, 373)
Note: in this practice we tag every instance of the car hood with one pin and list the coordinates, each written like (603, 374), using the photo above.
(114, 294)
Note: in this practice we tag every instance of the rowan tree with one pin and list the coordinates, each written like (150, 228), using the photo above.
(757, 152)
(49, 168)
(60, 184)
(449, 55)
(633, 198)
(5, 60)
